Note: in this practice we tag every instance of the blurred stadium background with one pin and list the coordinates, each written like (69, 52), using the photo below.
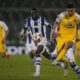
(14, 13)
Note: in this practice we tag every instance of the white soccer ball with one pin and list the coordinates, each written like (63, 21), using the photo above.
(37, 37)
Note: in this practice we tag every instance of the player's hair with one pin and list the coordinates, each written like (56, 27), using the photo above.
(70, 5)
(35, 9)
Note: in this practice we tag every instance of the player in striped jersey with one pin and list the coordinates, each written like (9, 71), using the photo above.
(35, 23)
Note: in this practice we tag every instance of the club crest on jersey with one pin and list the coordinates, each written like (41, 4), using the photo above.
(69, 24)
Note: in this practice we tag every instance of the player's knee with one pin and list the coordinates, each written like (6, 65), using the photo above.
(39, 50)
(72, 63)
(68, 45)
(33, 51)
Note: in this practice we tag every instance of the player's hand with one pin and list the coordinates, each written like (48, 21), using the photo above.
(22, 36)
(4, 41)
(77, 39)
(55, 34)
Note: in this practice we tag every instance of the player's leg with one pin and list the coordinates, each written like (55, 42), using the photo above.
(41, 50)
(30, 49)
(62, 53)
(46, 53)
(38, 60)
(63, 64)
(59, 48)
(71, 59)
(78, 47)
(68, 43)
(33, 49)
(3, 51)
(75, 68)
(6, 55)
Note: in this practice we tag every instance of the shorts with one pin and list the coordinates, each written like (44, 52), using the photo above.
(62, 40)
(43, 41)
(30, 46)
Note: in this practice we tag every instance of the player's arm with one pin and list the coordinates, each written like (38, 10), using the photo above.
(55, 33)
(47, 23)
(56, 25)
(5, 31)
(78, 27)
(5, 34)
(23, 33)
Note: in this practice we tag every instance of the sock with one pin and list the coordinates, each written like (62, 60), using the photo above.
(38, 58)
(37, 68)
(75, 68)
(70, 55)
(54, 54)
(64, 65)
(61, 54)
(37, 64)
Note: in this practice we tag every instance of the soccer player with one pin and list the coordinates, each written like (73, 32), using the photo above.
(35, 23)
(67, 23)
(3, 36)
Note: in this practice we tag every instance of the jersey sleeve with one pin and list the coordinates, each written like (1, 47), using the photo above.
(26, 23)
(46, 22)
(25, 26)
(59, 17)
(4, 26)
(78, 16)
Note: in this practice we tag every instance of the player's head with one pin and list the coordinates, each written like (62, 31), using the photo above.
(34, 13)
(70, 9)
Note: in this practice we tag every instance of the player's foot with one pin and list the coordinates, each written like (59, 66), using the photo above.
(6, 55)
(65, 72)
(36, 74)
(64, 66)
(55, 62)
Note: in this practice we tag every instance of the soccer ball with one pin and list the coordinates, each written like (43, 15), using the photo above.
(37, 37)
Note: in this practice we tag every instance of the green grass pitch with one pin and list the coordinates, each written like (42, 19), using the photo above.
(21, 67)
